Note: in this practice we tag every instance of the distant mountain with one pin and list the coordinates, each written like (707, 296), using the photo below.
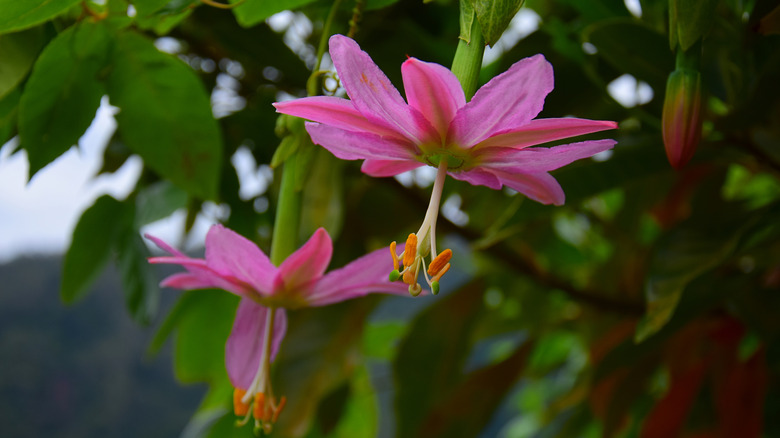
(81, 371)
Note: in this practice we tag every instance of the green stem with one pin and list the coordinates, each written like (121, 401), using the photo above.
(468, 60)
(689, 59)
(288, 211)
(288, 208)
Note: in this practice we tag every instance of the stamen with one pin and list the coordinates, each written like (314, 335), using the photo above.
(279, 408)
(443, 271)
(438, 263)
(258, 410)
(395, 256)
(239, 407)
(410, 252)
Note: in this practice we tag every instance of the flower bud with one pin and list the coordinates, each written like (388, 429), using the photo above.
(682, 116)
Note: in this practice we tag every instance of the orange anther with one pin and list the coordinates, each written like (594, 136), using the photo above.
(395, 256)
(239, 407)
(279, 408)
(438, 263)
(410, 251)
(443, 271)
(258, 410)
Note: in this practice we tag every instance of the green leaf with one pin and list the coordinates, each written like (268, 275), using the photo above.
(494, 17)
(203, 322)
(142, 295)
(440, 335)
(322, 200)
(158, 201)
(252, 12)
(63, 93)
(361, 413)
(619, 40)
(317, 356)
(18, 52)
(94, 237)
(679, 258)
(689, 20)
(466, 20)
(18, 14)
(468, 407)
(146, 7)
(165, 115)
(380, 339)
(8, 111)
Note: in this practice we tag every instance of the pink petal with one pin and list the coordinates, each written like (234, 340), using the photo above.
(367, 274)
(306, 264)
(434, 91)
(545, 130)
(349, 145)
(506, 102)
(334, 111)
(229, 253)
(382, 168)
(372, 93)
(540, 159)
(244, 347)
(164, 246)
(478, 177)
(540, 187)
(200, 276)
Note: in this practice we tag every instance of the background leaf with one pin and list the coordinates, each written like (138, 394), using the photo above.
(165, 115)
(18, 15)
(94, 240)
(63, 93)
(18, 52)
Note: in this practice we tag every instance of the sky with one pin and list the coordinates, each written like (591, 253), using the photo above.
(38, 217)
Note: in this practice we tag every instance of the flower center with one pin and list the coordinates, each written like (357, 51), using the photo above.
(454, 161)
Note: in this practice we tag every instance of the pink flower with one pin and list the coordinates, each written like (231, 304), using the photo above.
(237, 265)
(485, 141)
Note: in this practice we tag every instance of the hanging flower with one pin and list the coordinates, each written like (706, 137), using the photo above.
(485, 141)
(238, 266)
(681, 118)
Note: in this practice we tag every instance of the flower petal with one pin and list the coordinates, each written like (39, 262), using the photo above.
(164, 246)
(545, 130)
(382, 168)
(334, 111)
(244, 347)
(478, 177)
(306, 264)
(540, 187)
(229, 253)
(540, 159)
(507, 101)
(372, 93)
(434, 91)
(367, 274)
(349, 145)
(201, 276)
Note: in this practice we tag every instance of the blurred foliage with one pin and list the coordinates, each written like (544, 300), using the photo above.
(646, 306)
